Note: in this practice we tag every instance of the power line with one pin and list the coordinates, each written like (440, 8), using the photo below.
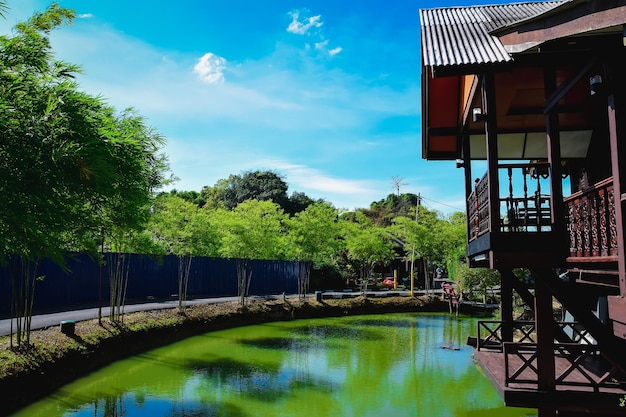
(443, 204)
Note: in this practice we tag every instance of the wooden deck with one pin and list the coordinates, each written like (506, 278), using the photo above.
(578, 395)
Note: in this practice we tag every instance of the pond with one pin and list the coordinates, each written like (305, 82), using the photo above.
(359, 366)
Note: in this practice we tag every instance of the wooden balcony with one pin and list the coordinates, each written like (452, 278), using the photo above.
(526, 235)
(523, 233)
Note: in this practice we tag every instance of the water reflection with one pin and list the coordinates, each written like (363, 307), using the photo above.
(400, 364)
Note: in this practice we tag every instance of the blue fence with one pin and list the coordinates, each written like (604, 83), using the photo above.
(148, 277)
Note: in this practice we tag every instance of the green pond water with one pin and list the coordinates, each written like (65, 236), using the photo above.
(382, 365)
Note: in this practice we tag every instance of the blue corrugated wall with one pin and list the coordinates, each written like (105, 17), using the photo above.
(149, 277)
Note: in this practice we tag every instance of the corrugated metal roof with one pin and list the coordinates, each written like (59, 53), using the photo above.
(461, 35)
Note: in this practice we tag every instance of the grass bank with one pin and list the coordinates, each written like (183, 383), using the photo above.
(55, 359)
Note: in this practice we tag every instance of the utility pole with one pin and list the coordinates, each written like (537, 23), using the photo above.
(417, 210)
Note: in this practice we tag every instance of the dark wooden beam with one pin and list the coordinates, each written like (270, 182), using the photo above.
(558, 93)
(523, 292)
(544, 323)
(506, 303)
(554, 159)
(467, 167)
(573, 300)
(491, 133)
(529, 299)
(467, 111)
(569, 20)
(618, 170)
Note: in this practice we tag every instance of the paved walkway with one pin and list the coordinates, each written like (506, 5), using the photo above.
(42, 321)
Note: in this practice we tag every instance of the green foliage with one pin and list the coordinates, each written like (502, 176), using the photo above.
(366, 244)
(190, 196)
(181, 228)
(476, 281)
(71, 170)
(314, 234)
(258, 185)
(254, 185)
(432, 239)
(253, 230)
(384, 211)
(69, 166)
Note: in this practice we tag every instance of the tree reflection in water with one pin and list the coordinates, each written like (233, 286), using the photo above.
(362, 366)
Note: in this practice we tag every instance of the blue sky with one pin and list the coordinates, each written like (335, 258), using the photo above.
(325, 93)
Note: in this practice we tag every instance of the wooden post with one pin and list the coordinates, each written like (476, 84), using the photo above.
(553, 137)
(506, 303)
(616, 157)
(544, 323)
(467, 167)
(491, 134)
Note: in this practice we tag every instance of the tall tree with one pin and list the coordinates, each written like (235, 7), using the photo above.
(253, 230)
(68, 165)
(251, 185)
(314, 237)
(430, 238)
(185, 230)
(255, 185)
(367, 244)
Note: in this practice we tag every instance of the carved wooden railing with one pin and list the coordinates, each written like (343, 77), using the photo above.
(576, 365)
(522, 205)
(490, 333)
(478, 209)
(591, 225)
(527, 208)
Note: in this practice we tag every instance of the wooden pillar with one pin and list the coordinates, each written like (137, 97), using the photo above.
(467, 166)
(491, 133)
(553, 137)
(506, 303)
(544, 324)
(618, 176)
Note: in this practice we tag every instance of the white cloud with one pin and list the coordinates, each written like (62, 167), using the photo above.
(210, 68)
(312, 26)
(321, 45)
(314, 179)
(335, 51)
(85, 16)
(303, 25)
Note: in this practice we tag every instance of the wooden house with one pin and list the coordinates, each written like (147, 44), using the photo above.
(530, 100)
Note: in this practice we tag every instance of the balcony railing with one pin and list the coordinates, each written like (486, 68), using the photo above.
(524, 331)
(522, 205)
(576, 365)
(478, 209)
(591, 226)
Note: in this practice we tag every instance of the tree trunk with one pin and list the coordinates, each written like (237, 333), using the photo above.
(304, 274)
(118, 279)
(23, 280)
(244, 277)
(184, 267)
